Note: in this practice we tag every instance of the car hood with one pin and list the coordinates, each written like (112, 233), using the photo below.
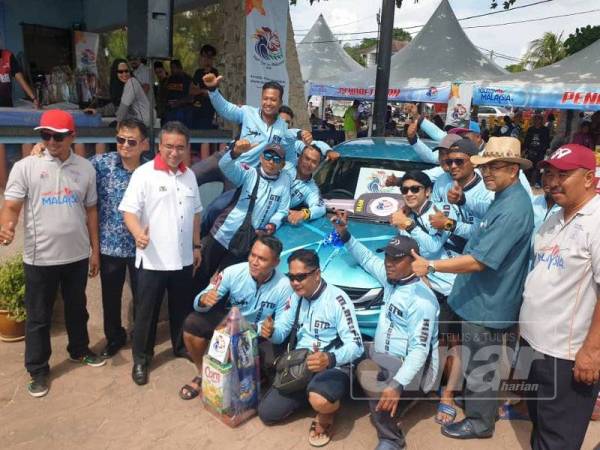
(337, 265)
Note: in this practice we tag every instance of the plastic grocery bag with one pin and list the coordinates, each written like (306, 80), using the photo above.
(231, 374)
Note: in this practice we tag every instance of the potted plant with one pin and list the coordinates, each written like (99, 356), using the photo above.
(12, 297)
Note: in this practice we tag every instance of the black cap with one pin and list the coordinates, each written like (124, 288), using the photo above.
(400, 246)
(465, 146)
(275, 148)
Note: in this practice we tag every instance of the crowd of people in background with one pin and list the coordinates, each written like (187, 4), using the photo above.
(480, 264)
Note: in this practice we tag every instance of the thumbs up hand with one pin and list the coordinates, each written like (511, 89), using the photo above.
(211, 81)
(420, 265)
(210, 298)
(266, 329)
(437, 219)
(143, 238)
(7, 233)
(455, 194)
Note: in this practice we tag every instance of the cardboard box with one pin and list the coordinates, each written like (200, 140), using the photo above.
(216, 385)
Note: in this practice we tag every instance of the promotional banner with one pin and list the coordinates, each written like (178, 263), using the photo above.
(266, 38)
(86, 51)
(552, 96)
(459, 105)
(431, 94)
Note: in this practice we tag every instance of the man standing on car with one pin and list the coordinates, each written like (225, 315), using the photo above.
(488, 289)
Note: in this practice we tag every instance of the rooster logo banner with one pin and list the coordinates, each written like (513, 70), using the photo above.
(266, 39)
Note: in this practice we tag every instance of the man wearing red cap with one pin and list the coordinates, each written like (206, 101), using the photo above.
(560, 314)
(58, 190)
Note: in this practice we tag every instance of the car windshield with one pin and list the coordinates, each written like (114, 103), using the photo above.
(339, 179)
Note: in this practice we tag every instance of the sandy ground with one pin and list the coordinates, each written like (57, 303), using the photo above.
(101, 408)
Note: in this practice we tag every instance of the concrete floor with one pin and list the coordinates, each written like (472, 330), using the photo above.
(101, 408)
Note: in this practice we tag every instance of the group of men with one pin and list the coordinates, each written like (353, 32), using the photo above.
(458, 273)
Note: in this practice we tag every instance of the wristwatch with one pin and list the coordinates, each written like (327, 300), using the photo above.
(450, 225)
(430, 267)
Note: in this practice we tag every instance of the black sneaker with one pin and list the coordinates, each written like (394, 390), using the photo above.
(89, 359)
(38, 386)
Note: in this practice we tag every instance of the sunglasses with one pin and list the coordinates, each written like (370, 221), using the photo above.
(58, 137)
(270, 156)
(123, 71)
(413, 189)
(130, 142)
(458, 162)
(489, 168)
(299, 276)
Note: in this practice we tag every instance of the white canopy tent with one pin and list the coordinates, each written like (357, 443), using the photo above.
(322, 57)
(571, 83)
(438, 56)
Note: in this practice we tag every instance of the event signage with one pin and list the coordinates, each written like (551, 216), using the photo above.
(266, 39)
(459, 105)
(86, 51)
(431, 94)
(587, 98)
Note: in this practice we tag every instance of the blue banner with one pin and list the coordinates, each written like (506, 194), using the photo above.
(582, 97)
(431, 94)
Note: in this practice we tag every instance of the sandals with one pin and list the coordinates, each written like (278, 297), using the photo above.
(449, 410)
(321, 439)
(187, 392)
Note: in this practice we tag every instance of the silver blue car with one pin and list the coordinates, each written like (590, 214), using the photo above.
(357, 175)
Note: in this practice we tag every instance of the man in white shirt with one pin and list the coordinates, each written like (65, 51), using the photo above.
(560, 314)
(161, 208)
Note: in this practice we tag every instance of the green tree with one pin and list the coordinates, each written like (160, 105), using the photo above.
(355, 50)
(545, 51)
(515, 67)
(582, 38)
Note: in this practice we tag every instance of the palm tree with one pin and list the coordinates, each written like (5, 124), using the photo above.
(545, 51)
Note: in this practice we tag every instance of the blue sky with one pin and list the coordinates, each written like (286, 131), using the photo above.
(510, 40)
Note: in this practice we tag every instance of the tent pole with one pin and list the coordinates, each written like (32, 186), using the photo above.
(383, 65)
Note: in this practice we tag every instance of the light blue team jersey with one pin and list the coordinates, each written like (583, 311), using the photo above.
(272, 199)
(408, 323)
(329, 315)
(255, 130)
(306, 192)
(541, 212)
(255, 302)
(434, 244)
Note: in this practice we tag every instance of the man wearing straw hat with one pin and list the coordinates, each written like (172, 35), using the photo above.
(488, 289)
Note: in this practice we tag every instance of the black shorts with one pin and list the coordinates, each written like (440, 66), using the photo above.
(203, 324)
(449, 323)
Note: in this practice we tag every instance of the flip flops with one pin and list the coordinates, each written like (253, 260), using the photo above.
(321, 439)
(187, 392)
(447, 409)
(509, 412)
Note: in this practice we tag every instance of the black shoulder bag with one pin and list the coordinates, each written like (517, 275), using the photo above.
(243, 238)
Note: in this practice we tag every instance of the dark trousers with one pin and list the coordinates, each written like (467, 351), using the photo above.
(208, 170)
(215, 258)
(561, 410)
(151, 286)
(41, 285)
(112, 278)
(482, 348)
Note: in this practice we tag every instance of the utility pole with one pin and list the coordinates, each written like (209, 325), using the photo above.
(384, 55)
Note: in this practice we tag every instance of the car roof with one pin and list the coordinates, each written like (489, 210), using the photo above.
(390, 148)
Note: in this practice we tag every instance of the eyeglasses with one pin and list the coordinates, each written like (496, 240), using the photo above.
(490, 168)
(299, 276)
(123, 71)
(458, 162)
(130, 142)
(58, 137)
(413, 189)
(270, 156)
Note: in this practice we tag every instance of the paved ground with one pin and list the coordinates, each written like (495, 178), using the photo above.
(101, 408)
